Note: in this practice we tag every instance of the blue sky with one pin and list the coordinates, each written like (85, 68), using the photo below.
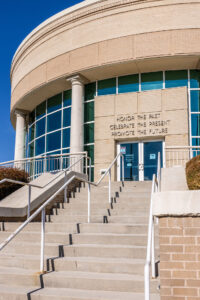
(17, 19)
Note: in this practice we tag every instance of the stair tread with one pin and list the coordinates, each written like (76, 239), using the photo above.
(96, 275)
(94, 294)
(104, 259)
(18, 271)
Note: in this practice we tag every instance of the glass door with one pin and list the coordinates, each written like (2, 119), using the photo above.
(151, 150)
(131, 162)
(140, 160)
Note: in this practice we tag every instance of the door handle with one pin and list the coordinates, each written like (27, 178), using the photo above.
(141, 167)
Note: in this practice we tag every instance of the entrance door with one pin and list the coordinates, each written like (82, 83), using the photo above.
(140, 160)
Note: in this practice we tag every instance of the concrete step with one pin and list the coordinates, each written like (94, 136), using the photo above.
(81, 210)
(31, 248)
(21, 261)
(113, 228)
(9, 292)
(96, 281)
(110, 239)
(78, 294)
(82, 218)
(98, 250)
(36, 226)
(100, 264)
(137, 217)
(19, 277)
(128, 211)
(50, 237)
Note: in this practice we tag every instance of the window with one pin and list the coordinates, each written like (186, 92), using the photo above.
(54, 121)
(194, 79)
(31, 133)
(107, 87)
(66, 138)
(40, 127)
(67, 117)
(67, 98)
(40, 146)
(176, 78)
(89, 111)
(151, 81)
(41, 110)
(127, 84)
(195, 124)
(54, 141)
(195, 100)
(89, 133)
(90, 91)
(54, 103)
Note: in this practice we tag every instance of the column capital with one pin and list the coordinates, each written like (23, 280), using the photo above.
(77, 78)
(21, 112)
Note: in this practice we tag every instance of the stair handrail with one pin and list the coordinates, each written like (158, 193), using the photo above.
(42, 208)
(150, 255)
(30, 185)
(38, 165)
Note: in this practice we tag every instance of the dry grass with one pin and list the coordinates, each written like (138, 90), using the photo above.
(193, 173)
(11, 173)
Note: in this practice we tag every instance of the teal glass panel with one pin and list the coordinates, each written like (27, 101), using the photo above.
(89, 133)
(67, 117)
(31, 150)
(194, 79)
(195, 124)
(196, 142)
(67, 98)
(54, 121)
(89, 111)
(176, 78)
(54, 141)
(195, 101)
(31, 117)
(127, 84)
(66, 138)
(107, 87)
(90, 151)
(151, 81)
(90, 91)
(54, 103)
(40, 146)
(66, 151)
(40, 127)
(41, 110)
(31, 134)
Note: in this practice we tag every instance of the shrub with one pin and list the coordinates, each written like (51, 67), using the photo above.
(193, 173)
(11, 173)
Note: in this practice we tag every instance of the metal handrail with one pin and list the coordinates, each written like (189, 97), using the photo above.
(41, 209)
(42, 156)
(150, 256)
(38, 186)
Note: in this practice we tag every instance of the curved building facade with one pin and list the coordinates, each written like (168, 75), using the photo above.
(107, 77)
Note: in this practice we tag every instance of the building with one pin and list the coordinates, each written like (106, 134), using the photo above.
(106, 76)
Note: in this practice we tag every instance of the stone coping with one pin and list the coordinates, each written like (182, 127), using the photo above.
(176, 203)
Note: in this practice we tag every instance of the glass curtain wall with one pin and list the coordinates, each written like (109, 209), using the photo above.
(50, 122)
(49, 126)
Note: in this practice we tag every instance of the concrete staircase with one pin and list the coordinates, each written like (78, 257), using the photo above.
(101, 260)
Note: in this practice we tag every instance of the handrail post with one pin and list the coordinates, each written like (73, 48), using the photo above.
(29, 202)
(90, 170)
(42, 241)
(123, 168)
(89, 203)
(153, 265)
(65, 190)
(109, 187)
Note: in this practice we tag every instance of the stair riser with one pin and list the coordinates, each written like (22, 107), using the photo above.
(19, 280)
(99, 267)
(76, 219)
(37, 238)
(115, 219)
(108, 240)
(31, 250)
(102, 252)
(36, 227)
(27, 264)
(109, 228)
(94, 284)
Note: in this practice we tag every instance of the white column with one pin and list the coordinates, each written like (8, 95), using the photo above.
(77, 119)
(20, 135)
